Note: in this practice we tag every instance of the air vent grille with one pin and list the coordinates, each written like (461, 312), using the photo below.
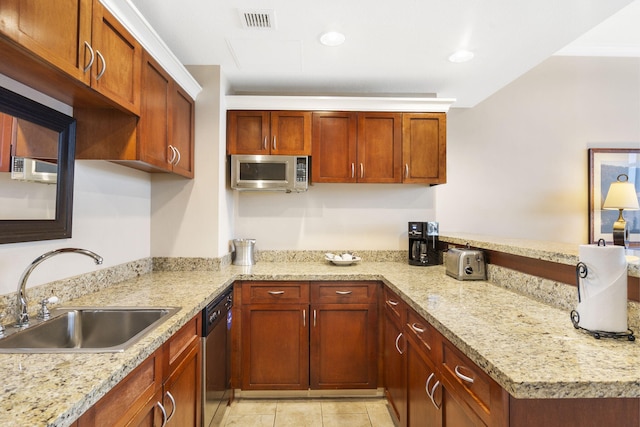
(258, 19)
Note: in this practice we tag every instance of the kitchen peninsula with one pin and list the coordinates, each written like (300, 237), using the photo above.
(528, 347)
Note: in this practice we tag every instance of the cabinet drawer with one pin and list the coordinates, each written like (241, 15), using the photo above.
(467, 380)
(344, 292)
(394, 306)
(275, 292)
(178, 345)
(423, 334)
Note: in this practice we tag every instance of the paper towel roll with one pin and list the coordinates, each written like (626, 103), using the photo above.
(603, 292)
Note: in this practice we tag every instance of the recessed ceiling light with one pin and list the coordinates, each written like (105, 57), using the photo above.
(461, 56)
(332, 38)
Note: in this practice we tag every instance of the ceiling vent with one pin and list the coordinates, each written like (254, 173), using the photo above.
(264, 19)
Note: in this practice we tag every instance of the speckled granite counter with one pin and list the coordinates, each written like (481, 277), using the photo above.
(529, 348)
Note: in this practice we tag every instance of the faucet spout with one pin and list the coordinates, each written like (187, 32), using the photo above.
(23, 317)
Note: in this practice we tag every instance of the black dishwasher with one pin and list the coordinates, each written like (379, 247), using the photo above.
(216, 359)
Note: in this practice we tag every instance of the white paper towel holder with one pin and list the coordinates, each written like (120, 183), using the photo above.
(581, 272)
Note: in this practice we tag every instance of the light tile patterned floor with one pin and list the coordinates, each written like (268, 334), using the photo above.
(309, 413)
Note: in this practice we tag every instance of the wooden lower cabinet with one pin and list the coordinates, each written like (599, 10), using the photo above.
(300, 335)
(395, 358)
(164, 390)
(422, 380)
(275, 347)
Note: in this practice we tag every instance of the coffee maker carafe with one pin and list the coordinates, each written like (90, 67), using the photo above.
(423, 243)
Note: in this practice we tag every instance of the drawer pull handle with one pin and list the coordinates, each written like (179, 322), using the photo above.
(417, 328)
(304, 317)
(276, 292)
(104, 65)
(392, 302)
(343, 292)
(173, 403)
(315, 318)
(398, 339)
(426, 386)
(462, 376)
(164, 414)
(264, 143)
(406, 170)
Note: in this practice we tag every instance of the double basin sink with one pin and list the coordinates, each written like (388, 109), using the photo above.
(87, 330)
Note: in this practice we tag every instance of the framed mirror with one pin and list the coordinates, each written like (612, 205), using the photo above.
(37, 150)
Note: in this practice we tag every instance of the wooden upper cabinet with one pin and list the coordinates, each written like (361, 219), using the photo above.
(264, 132)
(165, 129)
(357, 147)
(81, 39)
(6, 130)
(54, 30)
(379, 147)
(334, 147)
(115, 71)
(424, 148)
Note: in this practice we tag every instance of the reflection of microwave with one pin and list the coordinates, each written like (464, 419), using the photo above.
(270, 173)
(32, 170)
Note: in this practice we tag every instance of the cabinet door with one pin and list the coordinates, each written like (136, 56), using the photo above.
(291, 132)
(6, 128)
(275, 347)
(151, 415)
(248, 132)
(379, 147)
(181, 125)
(54, 30)
(344, 343)
(424, 149)
(153, 126)
(116, 70)
(422, 376)
(182, 390)
(395, 367)
(334, 147)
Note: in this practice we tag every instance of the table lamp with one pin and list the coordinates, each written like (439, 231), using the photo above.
(622, 195)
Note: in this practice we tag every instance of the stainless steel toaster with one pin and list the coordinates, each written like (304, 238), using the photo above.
(465, 264)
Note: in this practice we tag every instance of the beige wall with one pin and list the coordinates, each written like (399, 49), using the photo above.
(517, 162)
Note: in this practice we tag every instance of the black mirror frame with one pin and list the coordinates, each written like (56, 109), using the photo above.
(13, 231)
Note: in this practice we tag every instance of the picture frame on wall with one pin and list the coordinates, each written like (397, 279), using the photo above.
(605, 165)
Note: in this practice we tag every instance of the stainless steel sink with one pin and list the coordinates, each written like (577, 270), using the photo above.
(87, 330)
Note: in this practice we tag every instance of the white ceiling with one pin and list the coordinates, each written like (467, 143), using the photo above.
(391, 48)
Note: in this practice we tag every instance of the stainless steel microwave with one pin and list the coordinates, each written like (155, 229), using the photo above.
(32, 170)
(269, 173)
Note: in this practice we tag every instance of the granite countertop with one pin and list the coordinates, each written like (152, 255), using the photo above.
(529, 348)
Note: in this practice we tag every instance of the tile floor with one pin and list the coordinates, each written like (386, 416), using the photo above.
(371, 412)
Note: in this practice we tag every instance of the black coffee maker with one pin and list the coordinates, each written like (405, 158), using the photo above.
(423, 243)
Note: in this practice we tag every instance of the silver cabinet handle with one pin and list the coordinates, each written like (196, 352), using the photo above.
(353, 170)
(431, 391)
(392, 302)
(431, 395)
(361, 170)
(398, 339)
(104, 65)
(462, 376)
(406, 170)
(179, 157)
(417, 328)
(93, 57)
(315, 318)
(264, 143)
(164, 414)
(343, 292)
(304, 317)
(173, 154)
(276, 292)
(173, 403)
(426, 385)
(274, 143)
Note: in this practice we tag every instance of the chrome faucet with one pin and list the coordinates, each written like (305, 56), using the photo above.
(23, 318)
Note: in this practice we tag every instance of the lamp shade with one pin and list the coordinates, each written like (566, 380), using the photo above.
(621, 195)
